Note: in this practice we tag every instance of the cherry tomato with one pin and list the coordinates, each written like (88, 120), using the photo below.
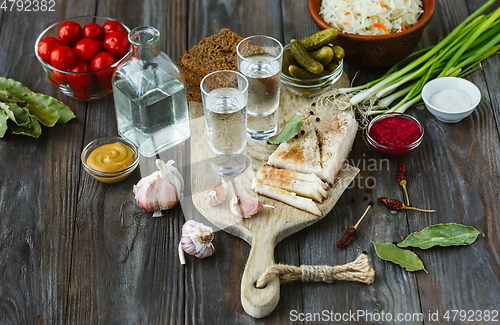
(117, 44)
(86, 49)
(93, 31)
(70, 33)
(101, 46)
(63, 57)
(83, 93)
(104, 82)
(101, 61)
(80, 80)
(58, 78)
(46, 46)
(113, 26)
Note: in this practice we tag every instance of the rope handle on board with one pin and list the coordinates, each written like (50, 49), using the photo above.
(359, 270)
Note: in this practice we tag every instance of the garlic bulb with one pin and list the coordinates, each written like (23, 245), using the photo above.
(244, 207)
(196, 240)
(161, 190)
(216, 194)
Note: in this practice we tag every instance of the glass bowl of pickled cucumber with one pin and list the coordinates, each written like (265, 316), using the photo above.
(307, 78)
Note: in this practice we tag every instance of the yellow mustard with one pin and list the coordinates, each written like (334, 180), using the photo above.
(111, 157)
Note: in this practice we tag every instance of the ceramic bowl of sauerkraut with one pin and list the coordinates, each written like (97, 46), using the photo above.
(374, 33)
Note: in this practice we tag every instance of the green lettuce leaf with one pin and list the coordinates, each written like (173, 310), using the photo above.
(402, 257)
(450, 234)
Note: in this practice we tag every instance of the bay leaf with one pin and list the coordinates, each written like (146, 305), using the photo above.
(47, 116)
(450, 234)
(405, 258)
(3, 123)
(291, 128)
(26, 108)
(33, 130)
(15, 92)
(46, 109)
(18, 115)
(9, 87)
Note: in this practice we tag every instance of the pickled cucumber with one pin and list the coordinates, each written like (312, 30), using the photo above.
(332, 66)
(339, 53)
(303, 58)
(324, 55)
(288, 60)
(300, 73)
(320, 39)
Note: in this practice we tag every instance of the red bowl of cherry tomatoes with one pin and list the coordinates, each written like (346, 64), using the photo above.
(80, 54)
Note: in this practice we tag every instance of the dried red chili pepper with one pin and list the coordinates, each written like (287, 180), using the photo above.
(398, 205)
(348, 237)
(391, 204)
(400, 177)
(351, 232)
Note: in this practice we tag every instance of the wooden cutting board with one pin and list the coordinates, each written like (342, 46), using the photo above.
(268, 227)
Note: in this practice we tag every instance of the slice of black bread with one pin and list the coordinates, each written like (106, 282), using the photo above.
(189, 74)
(193, 91)
(192, 88)
(216, 52)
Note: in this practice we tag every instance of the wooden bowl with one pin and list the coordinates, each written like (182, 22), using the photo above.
(378, 50)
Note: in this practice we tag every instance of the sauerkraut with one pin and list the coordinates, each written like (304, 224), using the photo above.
(371, 17)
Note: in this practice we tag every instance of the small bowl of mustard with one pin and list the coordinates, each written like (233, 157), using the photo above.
(110, 160)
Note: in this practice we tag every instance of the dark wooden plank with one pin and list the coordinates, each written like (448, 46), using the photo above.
(125, 267)
(169, 17)
(455, 172)
(244, 18)
(492, 79)
(39, 185)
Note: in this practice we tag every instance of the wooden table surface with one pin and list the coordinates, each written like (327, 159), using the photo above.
(77, 251)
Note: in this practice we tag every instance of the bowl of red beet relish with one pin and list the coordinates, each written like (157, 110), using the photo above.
(395, 135)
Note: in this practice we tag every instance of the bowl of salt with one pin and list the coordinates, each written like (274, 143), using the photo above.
(451, 99)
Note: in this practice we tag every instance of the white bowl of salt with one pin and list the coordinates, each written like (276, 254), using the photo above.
(451, 99)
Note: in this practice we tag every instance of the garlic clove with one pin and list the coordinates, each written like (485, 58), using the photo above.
(144, 195)
(189, 226)
(216, 194)
(161, 190)
(176, 173)
(206, 251)
(244, 207)
(146, 180)
(188, 245)
(166, 194)
(196, 240)
(171, 173)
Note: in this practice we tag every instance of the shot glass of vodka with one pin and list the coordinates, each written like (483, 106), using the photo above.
(259, 59)
(225, 95)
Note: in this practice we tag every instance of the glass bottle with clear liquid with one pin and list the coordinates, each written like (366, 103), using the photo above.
(150, 96)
